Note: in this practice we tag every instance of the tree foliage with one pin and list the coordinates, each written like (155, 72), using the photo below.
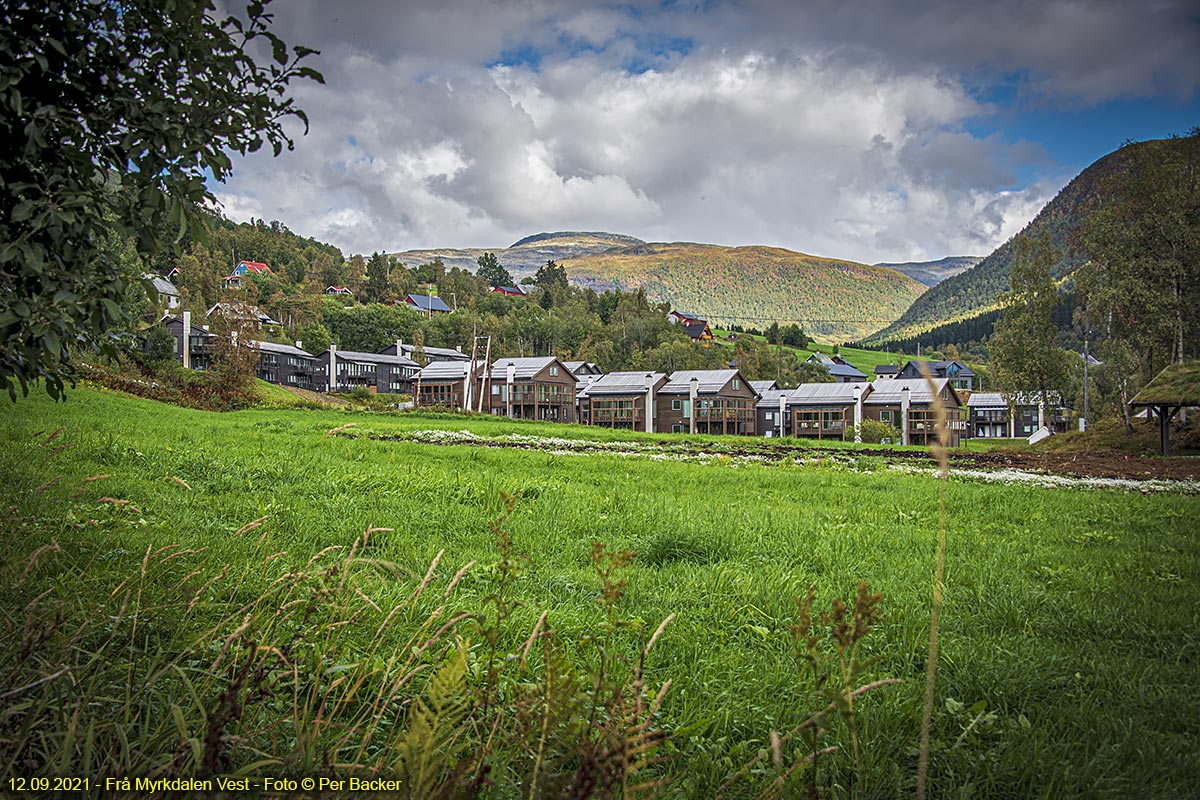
(114, 113)
(492, 272)
(1025, 354)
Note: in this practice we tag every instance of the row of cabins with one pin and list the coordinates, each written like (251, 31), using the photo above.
(723, 402)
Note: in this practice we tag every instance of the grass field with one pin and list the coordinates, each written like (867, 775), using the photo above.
(1070, 634)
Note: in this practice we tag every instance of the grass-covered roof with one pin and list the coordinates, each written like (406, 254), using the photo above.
(1178, 384)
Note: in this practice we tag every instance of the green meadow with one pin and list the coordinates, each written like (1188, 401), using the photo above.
(1070, 635)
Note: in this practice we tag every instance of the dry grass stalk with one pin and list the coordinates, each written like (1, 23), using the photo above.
(172, 478)
(98, 478)
(941, 453)
(249, 526)
(339, 429)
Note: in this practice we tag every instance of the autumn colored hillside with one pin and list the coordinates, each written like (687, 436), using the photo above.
(833, 300)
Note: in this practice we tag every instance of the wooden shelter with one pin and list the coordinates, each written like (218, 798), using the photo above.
(1176, 387)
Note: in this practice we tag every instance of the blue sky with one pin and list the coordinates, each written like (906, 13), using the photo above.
(872, 131)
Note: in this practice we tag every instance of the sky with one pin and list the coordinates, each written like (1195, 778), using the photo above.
(872, 130)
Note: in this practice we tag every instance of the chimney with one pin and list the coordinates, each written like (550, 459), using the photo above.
(187, 340)
(693, 390)
(510, 377)
(299, 345)
(905, 401)
(650, 407)
(783, 426)
(458, 347)
(858, 412)
(399, 347)
(332, 367)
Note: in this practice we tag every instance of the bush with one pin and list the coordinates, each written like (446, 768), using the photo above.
(874, 432)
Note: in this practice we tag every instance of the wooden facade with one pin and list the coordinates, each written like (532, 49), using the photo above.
(534, 388)
(725, 403)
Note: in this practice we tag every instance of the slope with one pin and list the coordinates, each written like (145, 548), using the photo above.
(931, 273)
(834, 300)
(974, 293)
(523, 258)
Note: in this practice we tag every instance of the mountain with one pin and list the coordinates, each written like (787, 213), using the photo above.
(968, 302)
(523, 258)
(754, 286)
(931, 273)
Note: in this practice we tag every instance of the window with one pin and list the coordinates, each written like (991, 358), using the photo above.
(885, 417)
(677, 428)
(495, 390)
(554, 371)
(737, 384)
(675, 405)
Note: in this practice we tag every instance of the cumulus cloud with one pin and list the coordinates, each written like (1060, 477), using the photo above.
(797, 125)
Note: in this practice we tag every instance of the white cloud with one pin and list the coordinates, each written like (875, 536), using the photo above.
(862, 150)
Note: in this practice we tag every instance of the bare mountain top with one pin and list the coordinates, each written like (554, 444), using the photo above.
(931, 273)
(525, 256)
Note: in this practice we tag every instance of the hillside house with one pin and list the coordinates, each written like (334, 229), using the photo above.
(531, 388)
(886, 371)
(243, 270)
(509, 291)
(426, 304)
(431, 354)
(958, 373)
(285, 364)
(907, 405)
(168, 295)
(622, 400)
(724, 402)
(698, 331)
(252, 313)
(345, 370)
(827, 410)
(684, 318)
(338, 290)
(841, 369)
(448, 383)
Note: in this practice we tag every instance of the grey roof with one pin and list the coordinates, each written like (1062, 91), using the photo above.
(763, 386)
(259, 314)
(444, 353)
(282, 349)
(163, 286)
(996, 399)
(837, 367)
(196, 330)
(427, 302)
(963, 370)
(770, 397)
(622, 383)
(889, 392)
(373, 358)
(441, 371)
(712, 381)
(582, 368)
(886, 369)
(826, 394)
(526, 368)
(695, 329)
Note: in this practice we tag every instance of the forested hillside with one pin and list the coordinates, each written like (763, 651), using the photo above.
(833, 300)
(974, 292)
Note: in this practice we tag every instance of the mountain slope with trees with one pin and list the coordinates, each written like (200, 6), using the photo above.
(524, 257)
(975, 293)
(831, 299)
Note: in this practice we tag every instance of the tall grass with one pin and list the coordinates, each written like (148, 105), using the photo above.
(1066, 641)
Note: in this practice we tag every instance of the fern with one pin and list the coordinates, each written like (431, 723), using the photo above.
(432, 744)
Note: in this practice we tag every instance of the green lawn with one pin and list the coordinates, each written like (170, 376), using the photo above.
(1070, 638)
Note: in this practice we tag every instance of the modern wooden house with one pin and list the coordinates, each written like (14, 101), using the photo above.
(168, 295)
(448, 383)
(827, 410)
(509, 291)
(345, 370)
(430, 354)
(196, 352)
(769, 419)
(622, 400)
(721, 400)
(907, 404)
(958, 373)
(992, 416)
(285, 364)
(530, 388)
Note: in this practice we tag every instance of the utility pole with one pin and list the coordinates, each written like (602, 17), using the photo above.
(1085, 379)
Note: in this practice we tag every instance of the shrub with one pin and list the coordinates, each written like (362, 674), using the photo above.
(874, 432)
